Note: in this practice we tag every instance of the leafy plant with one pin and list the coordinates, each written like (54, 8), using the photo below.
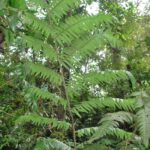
(61, 41)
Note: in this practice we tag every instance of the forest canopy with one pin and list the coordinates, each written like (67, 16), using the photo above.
(74, 74)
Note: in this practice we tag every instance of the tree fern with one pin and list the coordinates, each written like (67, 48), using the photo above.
(61, 39)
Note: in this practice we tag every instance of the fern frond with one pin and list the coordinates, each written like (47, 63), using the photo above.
(132, 79)
(103, 130)
(89, 46)
(47, 49)
(84, 47)
(120, 117)
(36, 24)
(104, 77)
(107, 77)
(56, 9)
(88, 106)
(48, 144)
(43, 72)
(40, 121)
(59, 8)
(143, 116)
(76, 26)
(113, 40)
(86, 131)
(96, 78)
(119, 133)
(39, 93)
(143, 123)
(111, 120)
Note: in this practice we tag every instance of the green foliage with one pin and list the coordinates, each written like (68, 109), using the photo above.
(143, 118)
(36, 24)
(119, 133)
(106, 77)
(82, 48)
(39, 120)
(45, 95)
(75, 27)
(18, 4)
(43, 72)
(47, 49)
(102, 103)
(61, 7)
(67, 42)
(102, 78)
(109, 121)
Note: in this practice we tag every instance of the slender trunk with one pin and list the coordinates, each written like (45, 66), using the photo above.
(69, 105)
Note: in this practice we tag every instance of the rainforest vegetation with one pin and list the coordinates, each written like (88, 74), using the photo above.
(73, 79)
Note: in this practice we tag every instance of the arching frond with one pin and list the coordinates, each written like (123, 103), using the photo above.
(47, 49)
(102, 130)
(120, 117)
(119, 133)
(40, 121)
(74, 27)
(61, 7)
(113, 40)
(46, 73)
(84, 47)
(36, 24)
(109, 121)
(132, 79)
(39, 93)
(96, 78)
(86, 131)
(107, 77)
(143, 121)
(88, 106)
